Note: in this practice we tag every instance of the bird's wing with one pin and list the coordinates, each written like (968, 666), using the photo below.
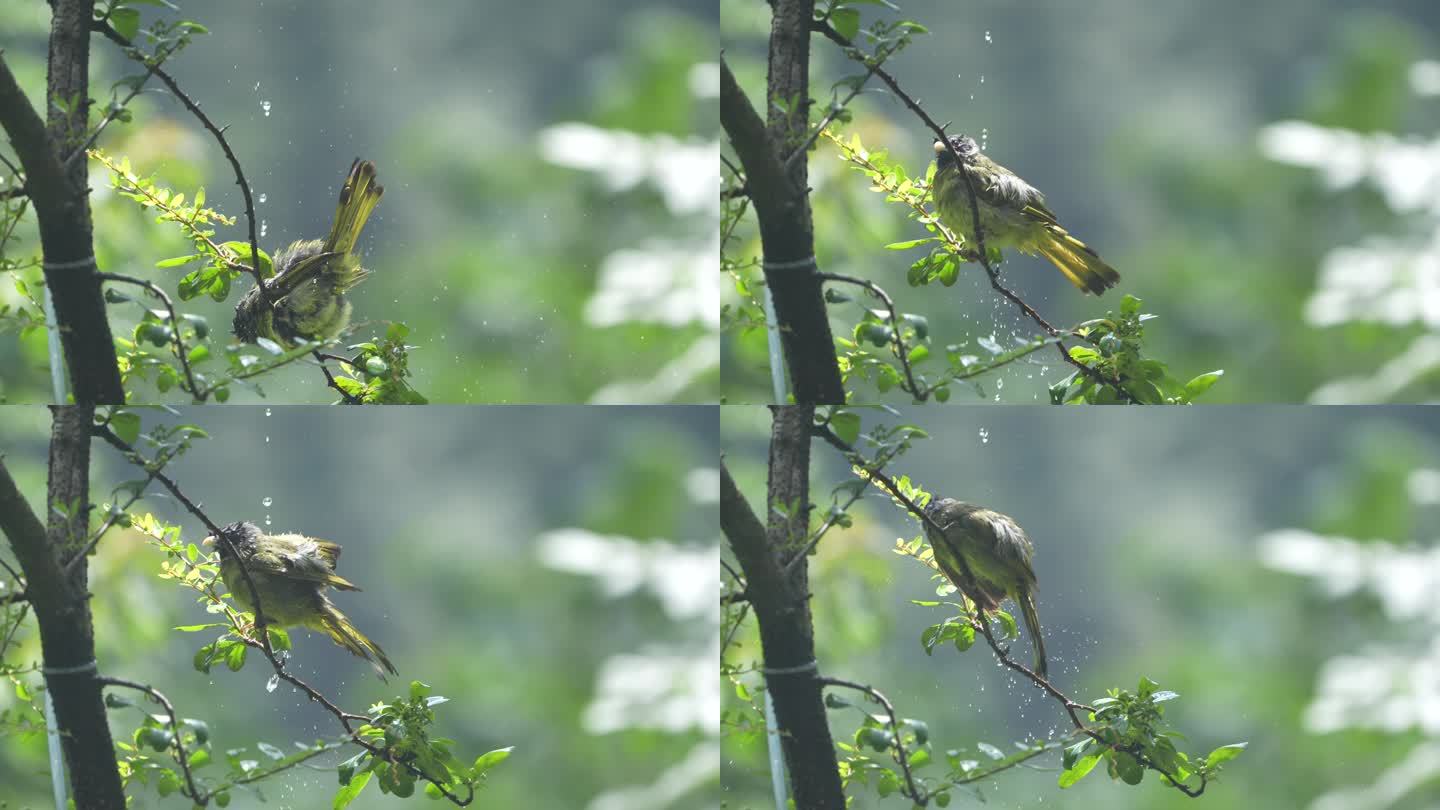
(295, 556)
(1009, 541)
(302, 270)
(1000, 187)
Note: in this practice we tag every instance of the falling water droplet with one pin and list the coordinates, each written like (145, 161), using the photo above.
(988, 38)
(267, 501)
(272, 683)
(267, 411)
(982, 78)
(984, 436)
(264, 196)
(265, 107)
(264, 227)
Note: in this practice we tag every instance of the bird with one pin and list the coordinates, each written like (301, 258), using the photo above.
(1012, 214)
(997, 553)
(291, 573)
(312, 276)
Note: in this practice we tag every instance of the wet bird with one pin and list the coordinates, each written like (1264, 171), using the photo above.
(291, 573)
(1012, 214)
(997, 553)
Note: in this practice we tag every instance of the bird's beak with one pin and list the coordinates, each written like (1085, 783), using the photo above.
(940, 148)
(208, 541)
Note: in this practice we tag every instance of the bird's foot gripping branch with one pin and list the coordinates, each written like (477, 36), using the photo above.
(397, 748)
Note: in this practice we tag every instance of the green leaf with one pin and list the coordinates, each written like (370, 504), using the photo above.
(1225, 753)
(177, 260)
(126, 22)
(1081, 769)
(345, 795)
(1129, 305)
(235, 656)
(1200, 384)
(192, 628)
(846, 425)
(910, 243)
(846, 22)
(490, 759)
(126, 425)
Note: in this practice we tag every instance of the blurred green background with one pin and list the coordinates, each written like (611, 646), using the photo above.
(549, 569)
(547, 230)
(1303, 260)
(1168, 544)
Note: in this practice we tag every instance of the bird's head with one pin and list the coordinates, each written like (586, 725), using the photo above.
(964, 145)
(244, 536)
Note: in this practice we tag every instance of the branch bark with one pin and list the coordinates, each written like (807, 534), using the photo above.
(62, 202)
(782, 205)
(62, 606)
(782, 608)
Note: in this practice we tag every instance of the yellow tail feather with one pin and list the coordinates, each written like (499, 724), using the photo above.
(1032, 625)
(1078, 262)
(357, 201)
(342, 632)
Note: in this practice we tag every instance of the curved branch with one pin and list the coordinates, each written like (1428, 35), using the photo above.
(178, 341)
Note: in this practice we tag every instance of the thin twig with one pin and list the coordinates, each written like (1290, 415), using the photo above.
(349, 398)
(913, 792)
(835, 110)
(896, 340)
(177, 340)
(180, 754)
(110, 521)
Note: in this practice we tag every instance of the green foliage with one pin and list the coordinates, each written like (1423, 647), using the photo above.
(173, 349)
(400, 750)
(1129, 733)
(1115, 353)
(379, 373)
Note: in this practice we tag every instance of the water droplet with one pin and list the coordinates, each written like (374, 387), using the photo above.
(989, 38)
(982, 78)
(267, 501)
(264, 227)
(272, 683)
(267, 411)
(264, 196)
(984, 436)
(265, 107)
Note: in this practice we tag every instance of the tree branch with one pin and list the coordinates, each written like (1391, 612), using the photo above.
(782, 612)
(62, 205)
(62, 606)
(782, 208)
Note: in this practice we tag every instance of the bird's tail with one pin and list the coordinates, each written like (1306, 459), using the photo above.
(338, 627)
(1032, 625)
(1077, 261)
(357, 201)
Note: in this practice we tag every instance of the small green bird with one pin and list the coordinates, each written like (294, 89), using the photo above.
(291, 573)
(313, 276)
(996, 551)
(1012, 214)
